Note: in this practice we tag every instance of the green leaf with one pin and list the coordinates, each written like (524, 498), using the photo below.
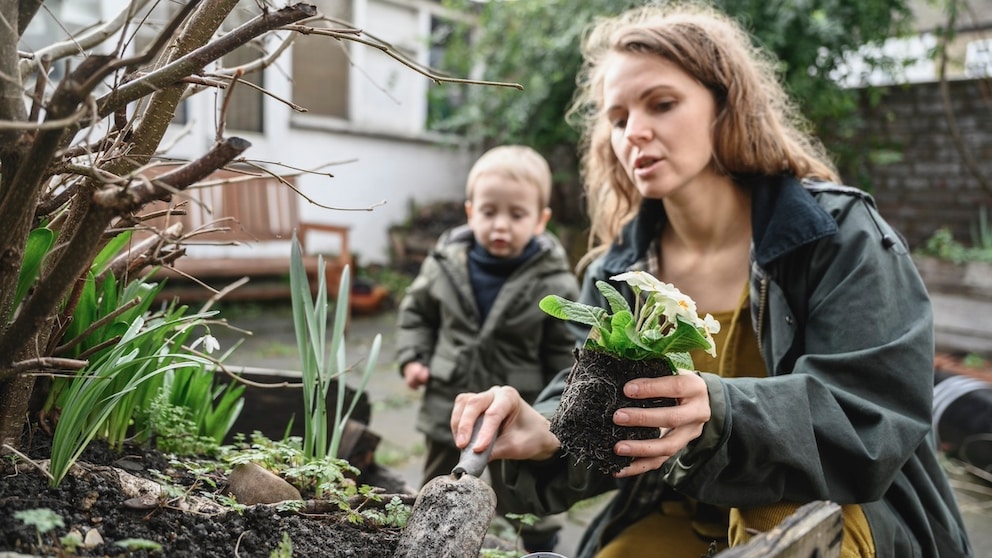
(680, 361)
(564, 309)
(138, 544)
(39, 244)
(618, 342)
(42, 519)
(617, 302)
(109, 252)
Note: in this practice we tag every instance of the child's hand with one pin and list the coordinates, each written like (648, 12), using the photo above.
(415, 374)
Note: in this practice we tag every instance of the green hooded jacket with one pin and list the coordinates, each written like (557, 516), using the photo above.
(846, 331)
(518, 345)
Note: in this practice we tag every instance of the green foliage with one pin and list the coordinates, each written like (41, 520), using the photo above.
(536, 43)
(42, 519)
(133, 355)
(39, 245)
(285, 548)
(530, 42)
(972, 360)
(329, 479)
(138, 544)
(323, 363)
(175, 429)
(662, 324)
(71, 541)
(942, 244)
(104, 397)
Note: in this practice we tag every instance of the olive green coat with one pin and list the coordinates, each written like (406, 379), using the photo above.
(846, 332)
(518, 345)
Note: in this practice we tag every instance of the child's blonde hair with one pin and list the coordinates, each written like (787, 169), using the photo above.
(515, 162)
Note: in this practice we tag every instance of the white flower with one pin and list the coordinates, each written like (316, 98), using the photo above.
(643, 280)
(210, 343)
(711, 326)
(665, 298)
(676, 304)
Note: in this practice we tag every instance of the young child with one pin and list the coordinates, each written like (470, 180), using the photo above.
(471, 320)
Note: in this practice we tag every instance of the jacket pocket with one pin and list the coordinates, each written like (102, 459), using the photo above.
(444, 369)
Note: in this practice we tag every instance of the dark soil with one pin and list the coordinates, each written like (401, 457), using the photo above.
(593, 392)
(90, 501)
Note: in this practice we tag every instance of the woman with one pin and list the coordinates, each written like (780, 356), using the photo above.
(698, 171)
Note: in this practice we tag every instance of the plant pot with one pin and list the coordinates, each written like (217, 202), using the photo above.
(593, 392)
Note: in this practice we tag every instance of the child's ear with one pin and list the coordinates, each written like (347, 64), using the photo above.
(468, 210)
(543, 221)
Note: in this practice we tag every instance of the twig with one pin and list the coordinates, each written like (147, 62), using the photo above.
(265, 61)
(46, 207)
(41, 80)
(308, 198)
(128, 199)
(79, 43)
(48, 363)
(221, 293)
(389, 51)
(237, 545)
(256, 87)
(98, 324)
(220, 366)
(30, 461)
(200, 57)
(222, 121)
(57, 123)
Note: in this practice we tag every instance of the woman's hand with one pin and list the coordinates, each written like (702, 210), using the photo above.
(522, 432)
(679, 425)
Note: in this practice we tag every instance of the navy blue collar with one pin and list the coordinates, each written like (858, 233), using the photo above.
(784, 216)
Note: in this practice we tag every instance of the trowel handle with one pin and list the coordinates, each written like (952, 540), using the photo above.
(472, 463)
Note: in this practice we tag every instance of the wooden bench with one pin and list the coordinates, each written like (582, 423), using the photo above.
(815, 530)
(232, 207)
(198, 279)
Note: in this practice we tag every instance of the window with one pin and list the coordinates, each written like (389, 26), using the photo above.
(445, 98)
(245, 110)
(978, 58)
(321, 64)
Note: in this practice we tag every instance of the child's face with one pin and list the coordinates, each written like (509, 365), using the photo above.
(505, 214)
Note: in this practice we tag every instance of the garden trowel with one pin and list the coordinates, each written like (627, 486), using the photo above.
(452, 513)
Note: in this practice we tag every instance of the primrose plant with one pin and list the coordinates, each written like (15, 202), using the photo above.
(662, 324)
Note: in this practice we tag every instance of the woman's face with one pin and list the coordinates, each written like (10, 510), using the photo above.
(661, 121)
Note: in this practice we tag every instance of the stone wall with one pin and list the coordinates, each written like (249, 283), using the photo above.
(921, 181)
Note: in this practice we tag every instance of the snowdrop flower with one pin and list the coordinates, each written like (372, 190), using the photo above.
(210, 343)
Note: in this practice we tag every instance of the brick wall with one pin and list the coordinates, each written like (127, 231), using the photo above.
(931, 185)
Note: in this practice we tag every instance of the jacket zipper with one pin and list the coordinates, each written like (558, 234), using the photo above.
(762, 302)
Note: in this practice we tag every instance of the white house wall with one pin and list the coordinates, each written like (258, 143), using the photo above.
(389, 157)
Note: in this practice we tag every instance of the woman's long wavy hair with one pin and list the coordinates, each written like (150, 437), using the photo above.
(758, 129)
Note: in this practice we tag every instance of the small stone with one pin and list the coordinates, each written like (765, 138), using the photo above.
(93, 538)
(141, 503)
(252, 484)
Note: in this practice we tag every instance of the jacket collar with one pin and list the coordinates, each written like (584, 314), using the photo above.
(784, 216)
